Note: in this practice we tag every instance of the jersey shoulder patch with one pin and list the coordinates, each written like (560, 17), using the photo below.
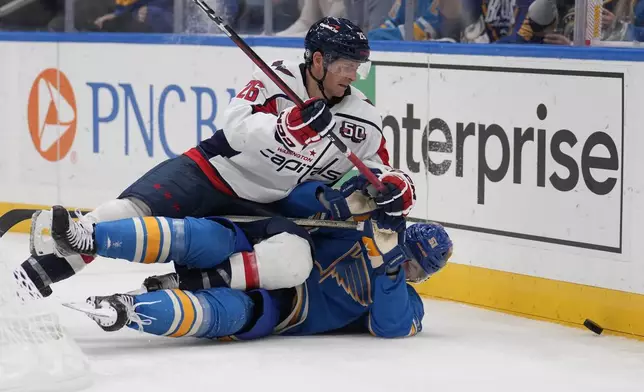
(281, 67)
(357, 109)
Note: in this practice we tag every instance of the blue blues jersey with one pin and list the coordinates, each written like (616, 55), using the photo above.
(343, 290)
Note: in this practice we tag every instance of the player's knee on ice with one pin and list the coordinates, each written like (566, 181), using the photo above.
(211, 313)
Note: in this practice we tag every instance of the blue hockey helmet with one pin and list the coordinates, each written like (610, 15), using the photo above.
(336, 38)
(430, 246)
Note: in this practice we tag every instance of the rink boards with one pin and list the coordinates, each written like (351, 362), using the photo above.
(528, 156)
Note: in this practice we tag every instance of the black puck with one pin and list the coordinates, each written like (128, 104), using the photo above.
(593, 326)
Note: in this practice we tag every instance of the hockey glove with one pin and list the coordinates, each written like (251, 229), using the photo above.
(334, 202)
(355, 206)
(382, 236)
(298, 127)
(397, 199)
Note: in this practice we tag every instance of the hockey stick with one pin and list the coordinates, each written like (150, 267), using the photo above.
(298, 221)
(13, 217)
(362, 168)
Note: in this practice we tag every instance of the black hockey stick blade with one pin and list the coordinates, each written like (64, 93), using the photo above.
(13, 217)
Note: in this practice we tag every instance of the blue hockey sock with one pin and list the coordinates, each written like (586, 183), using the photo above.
(197, 243)
(208, 313)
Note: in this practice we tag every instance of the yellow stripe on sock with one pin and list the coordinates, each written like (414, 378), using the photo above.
(176, 308)
(188, 314)
(154, 239)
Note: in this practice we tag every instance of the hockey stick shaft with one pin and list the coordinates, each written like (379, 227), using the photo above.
(13, 217)
(299, 221)
(362, 168)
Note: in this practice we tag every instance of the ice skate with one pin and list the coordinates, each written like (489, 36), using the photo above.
(70, 236)
(111, 313)
(161, 282)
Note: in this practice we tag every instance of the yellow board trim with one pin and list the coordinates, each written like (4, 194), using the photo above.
(618, 312)
(567, 303)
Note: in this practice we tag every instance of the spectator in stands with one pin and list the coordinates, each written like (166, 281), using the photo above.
(368, 14)
(245, 16)
(30, 15)
(251, 17)
(540, 26)
(312, 11)
(623, 20)
(138, 16)
(472, 21)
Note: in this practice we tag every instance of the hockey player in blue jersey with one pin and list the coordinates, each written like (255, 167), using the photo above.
(358, 279)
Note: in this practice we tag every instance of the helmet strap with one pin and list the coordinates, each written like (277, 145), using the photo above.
(320, 82)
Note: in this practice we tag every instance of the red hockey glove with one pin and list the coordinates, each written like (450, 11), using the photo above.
(297, 128)
(399, 195)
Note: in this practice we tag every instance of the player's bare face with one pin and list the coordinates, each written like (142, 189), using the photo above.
(414, 272)
(343, 72)
(335, 84)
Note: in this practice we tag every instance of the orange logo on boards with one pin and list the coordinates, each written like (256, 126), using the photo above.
(51, 114)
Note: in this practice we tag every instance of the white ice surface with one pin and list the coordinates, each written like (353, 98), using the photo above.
(461, 348)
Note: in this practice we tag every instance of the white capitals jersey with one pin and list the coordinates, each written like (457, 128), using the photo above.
(251, 163)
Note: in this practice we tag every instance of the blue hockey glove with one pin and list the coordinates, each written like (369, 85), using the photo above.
(334, 201)
(356, 205)
(383, 235)
(357, 184)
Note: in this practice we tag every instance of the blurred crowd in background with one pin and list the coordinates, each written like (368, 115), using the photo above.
(468, 21)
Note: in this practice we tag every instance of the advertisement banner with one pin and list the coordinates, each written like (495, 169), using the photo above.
(516, 152)
(93, 127)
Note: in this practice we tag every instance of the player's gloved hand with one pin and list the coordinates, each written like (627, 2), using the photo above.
(299, 127)
(397, 199)
(334, 201)
(355, 206)
(399, 195)
(383, 235)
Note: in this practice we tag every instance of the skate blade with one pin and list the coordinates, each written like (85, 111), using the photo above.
(40, 240)
(89, 310)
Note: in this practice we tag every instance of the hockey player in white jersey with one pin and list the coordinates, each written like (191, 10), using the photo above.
(267, 146)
